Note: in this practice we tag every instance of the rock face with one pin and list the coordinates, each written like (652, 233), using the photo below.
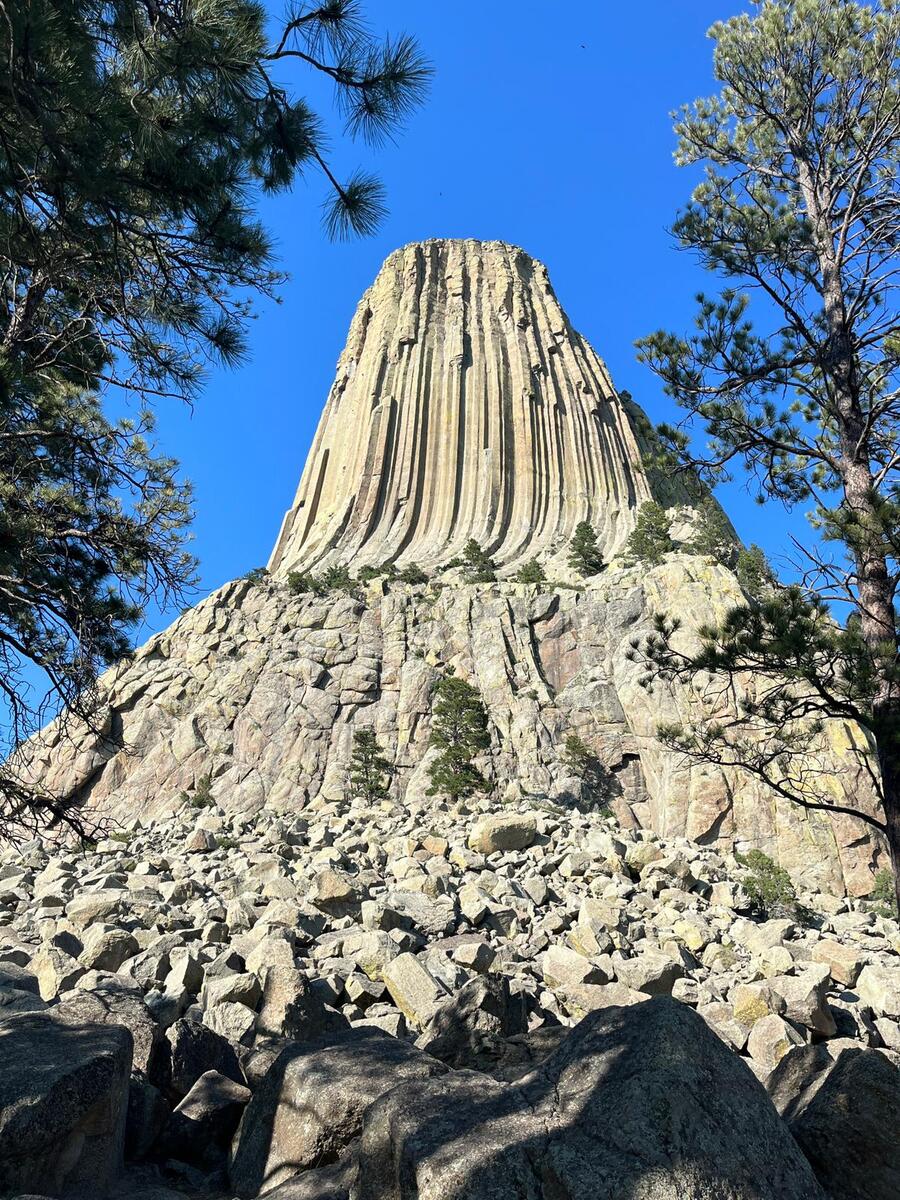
(465, 406)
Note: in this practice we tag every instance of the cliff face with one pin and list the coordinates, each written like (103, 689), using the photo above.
(465, 406)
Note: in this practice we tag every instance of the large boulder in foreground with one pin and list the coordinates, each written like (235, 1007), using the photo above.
(641, 1101)
(310, 1105)
(848, 1126)
(63, 1102)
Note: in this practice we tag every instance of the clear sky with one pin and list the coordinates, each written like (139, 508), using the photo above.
(547, 126)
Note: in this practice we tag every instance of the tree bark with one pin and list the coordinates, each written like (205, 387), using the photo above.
(875, 593)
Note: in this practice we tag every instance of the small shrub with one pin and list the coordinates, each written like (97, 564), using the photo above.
(531, 572)
(257, 575)
(333, 579)
(201, 796)
(883, 896)
(460, 731)
(386, 570)
(768, 886)
(753, 571)
(477, 566)
(412, 574)
(580, 760)
(120, 835)
(714, 536)
(227, 843)
(370, 771)
(584, 553)
(649, 541)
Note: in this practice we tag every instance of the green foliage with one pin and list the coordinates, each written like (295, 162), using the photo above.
(798, 203)
(370, 772)
(753, 571)
(201, 794)
(459, 730)
(92, 524)
(135, 135)
(333, 579)
(531, 572)
(137, 138)
(884, 895)
(584, 553)
(477, 566)
(579, 760)
(649, 542)
(412, 574)
(714, 536)
(386, 570)
(767, 885)
(257, 575)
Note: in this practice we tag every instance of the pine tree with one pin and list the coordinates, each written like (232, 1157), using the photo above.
(584, 553)
(798, 201)
(459, 730)
(753, 571)
(478, 567)
(531, 572)
(137, 137)
(714, 536)
(649, 541)
(370, 771)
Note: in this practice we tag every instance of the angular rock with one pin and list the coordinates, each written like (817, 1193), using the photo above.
(311, 1102)
(849, 1128)
(195, 1050)
(202, 1126)
(63, 1104)
(465, 1029)
(642, 1102)
(503, 831)
(413, 988)
(292, 1009)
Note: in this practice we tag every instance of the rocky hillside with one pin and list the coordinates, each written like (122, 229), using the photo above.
(436, 1002)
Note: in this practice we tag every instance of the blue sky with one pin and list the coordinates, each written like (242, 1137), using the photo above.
(548, 127)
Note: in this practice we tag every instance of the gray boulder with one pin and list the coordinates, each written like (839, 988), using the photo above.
(196, 1049)
(310, 1105)
(63, 1103)
(849, 1127)
(468, 1029)
(203, 1124)
(642, 1101)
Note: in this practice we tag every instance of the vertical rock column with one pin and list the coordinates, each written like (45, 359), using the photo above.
(465, 406)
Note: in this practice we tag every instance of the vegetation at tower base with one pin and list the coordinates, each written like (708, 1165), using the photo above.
(753, 571)
(531, 572)
(136, 136)
(650, 541)
(477, 565)
(800, 201)
(370, 772)
(768, 885)
(578, 758)
(584, 553)
(714, 535)
(459, 731)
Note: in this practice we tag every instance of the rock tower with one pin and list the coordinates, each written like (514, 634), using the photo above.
(465, 406)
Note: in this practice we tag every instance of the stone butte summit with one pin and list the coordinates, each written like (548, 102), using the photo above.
(464, 406)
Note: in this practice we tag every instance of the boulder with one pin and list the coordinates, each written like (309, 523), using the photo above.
(110, 1002)
(311, 1102)
(465, 1029)
(642, 1101)
(202, 1126)
(413, 988)
(503, 831)
(196, 1049)
(879, 987)
(292, 1009)
(63, 1104)
(849, 1127)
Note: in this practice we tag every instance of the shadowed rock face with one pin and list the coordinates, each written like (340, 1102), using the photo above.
(465, 406)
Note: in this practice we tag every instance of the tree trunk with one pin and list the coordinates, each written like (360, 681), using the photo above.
(875, 589)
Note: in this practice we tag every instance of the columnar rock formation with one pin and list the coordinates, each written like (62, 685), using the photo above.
(465, 406)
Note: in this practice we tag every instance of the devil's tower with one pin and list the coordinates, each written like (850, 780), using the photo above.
(465, 406)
